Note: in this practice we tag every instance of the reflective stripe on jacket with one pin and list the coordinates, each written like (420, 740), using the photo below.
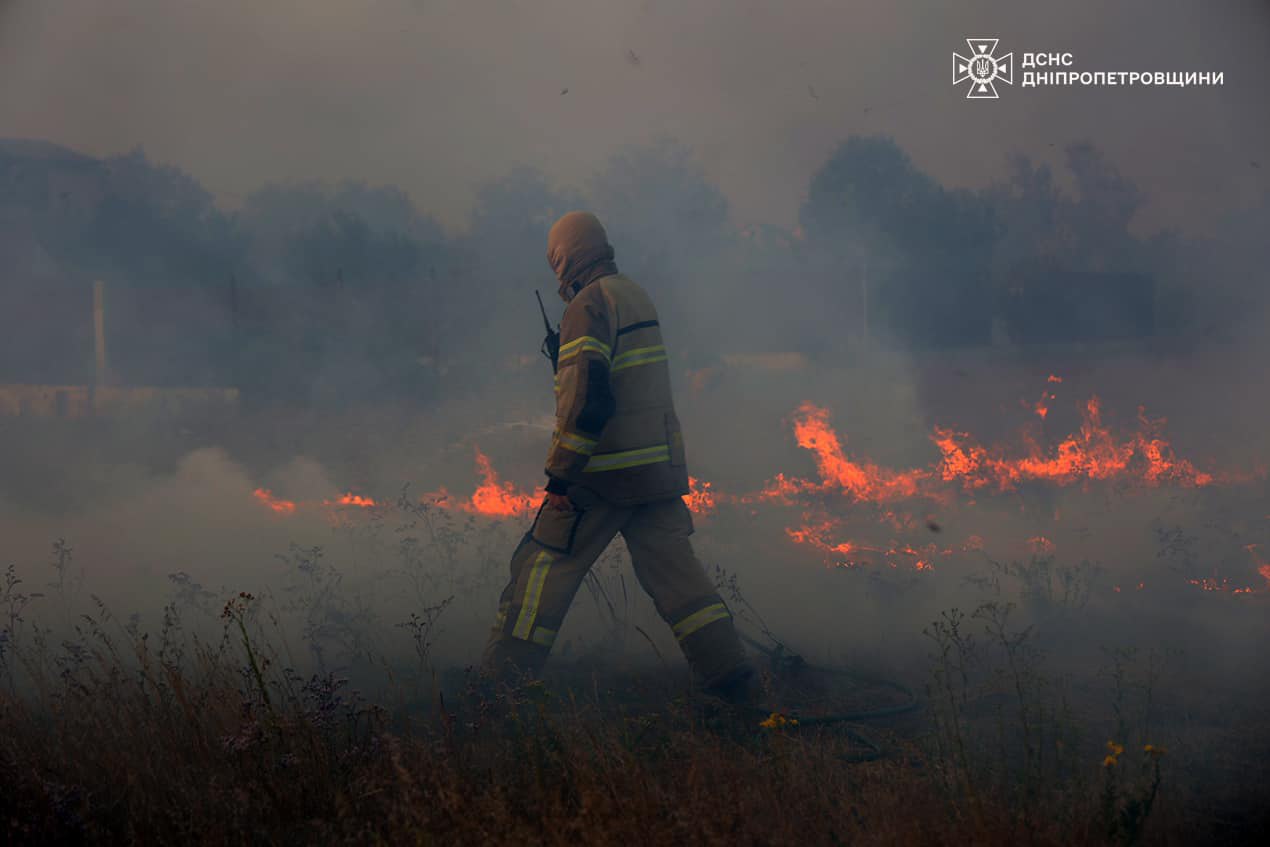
(616, 429)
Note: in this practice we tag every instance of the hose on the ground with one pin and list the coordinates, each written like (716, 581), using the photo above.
(783, 661)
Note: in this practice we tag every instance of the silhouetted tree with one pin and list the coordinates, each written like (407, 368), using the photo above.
(921, 251)
(505, 259)
(350, 298)
(669, 224)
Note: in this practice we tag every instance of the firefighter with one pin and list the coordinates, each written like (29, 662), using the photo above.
(616, 465)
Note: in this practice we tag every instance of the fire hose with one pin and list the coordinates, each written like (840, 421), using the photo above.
(785, 663)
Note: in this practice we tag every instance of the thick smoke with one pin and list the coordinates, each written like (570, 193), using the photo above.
(440, 97)
(340, 222)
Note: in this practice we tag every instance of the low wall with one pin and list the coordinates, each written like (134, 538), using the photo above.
(80, 401)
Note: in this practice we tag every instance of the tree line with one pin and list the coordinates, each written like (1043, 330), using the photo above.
(315, 292)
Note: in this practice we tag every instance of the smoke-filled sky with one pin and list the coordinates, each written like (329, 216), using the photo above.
(438, 96)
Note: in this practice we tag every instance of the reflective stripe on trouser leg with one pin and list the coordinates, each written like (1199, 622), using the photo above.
(668, 569)
(541, 588)
(533, 596)
(709, 642)
(505, 653)
(540, 635)
(689, 624)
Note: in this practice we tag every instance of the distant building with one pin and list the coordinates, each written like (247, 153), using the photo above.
(102, 397)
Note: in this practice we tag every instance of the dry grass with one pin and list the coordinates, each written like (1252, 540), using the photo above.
(203, 763)
(110, 735)
(161, 749)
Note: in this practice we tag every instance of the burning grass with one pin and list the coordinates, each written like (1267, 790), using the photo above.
(904, 502)
(236, 716)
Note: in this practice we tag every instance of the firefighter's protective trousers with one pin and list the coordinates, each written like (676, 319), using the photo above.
(554, 556)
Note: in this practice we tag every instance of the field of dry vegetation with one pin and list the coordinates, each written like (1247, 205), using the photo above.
(291, 717)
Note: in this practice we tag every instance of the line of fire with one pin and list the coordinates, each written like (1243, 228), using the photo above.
(645, 423)
(1060, 315)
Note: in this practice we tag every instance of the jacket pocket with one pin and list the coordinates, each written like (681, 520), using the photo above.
(555, 529)
(675, 439)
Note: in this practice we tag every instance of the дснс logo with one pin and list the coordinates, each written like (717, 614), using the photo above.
(982, 69)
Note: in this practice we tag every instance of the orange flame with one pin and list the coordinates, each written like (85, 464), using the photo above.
(278, 505)
(815, 533)
(1092, 454)
(860, 481)
(1263, 567)
(1042, 407)
(351, 499)
(821, 532)
(495, 498)
(700, 499)
(1215, 584)
(1041, 545)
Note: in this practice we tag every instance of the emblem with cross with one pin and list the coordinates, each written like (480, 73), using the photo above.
(982, 69)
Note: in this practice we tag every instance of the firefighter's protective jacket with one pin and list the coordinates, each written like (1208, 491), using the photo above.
(616, 429)
(619, 456)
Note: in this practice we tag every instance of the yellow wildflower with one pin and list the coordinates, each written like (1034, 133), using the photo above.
(1116, 749)
(1109, 762)
(776, 720)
